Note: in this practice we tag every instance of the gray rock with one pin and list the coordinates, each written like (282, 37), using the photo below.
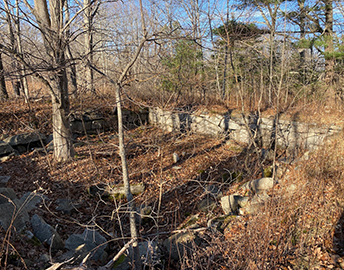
(263, 184)
(46, 233)
(179, 243)
(176, 157)
(213, 191)
(207, 204)
(29, 234)
(21, 148)
(89, 241)
(230, 204)
(5, 148)
(256, 204)
(261, 197)
(65, 206)
(49, 139)
(242, 201)
(7, 194)
(259, 185)
(4, 180)
(25, 138)
(31, 199)
(13, 214)
(44, 258)
(149, 253)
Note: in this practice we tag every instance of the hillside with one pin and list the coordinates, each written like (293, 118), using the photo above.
(298, 224)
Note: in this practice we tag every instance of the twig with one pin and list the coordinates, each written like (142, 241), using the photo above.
(56, 266)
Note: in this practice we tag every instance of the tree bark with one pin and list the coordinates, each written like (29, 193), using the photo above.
(23, 81)
(72, 68)
(63, 147)
(3, 90)
(329, 57)
(128, 194)
(88, 21)
(50, 24)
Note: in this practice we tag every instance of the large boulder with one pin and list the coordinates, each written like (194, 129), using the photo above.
(149, 254)
(5, 148)
(12, 211)
(31, 199)
(46, 233)
(89, 242)
(259, 185)
(231, 204)
(25, 138)
(256, 205)
(6, 195)
(179, 244)
(66, 206)
(4, 180)
(13, 214)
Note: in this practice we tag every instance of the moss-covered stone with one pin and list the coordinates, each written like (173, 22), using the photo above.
(268, 172)
(114, 192)
(120, 260)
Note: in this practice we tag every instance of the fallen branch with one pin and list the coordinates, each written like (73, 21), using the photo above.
(56, 266)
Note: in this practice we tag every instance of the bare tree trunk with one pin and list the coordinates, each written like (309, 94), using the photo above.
(16, 67)
(226, 56)
(63, 147)
(271, 66)
(50, 24)
(329, 57)
(302, 9)
(3, 90)
(23, 81)
(128, 194)
(126, 182)
(72, 73)
(88, 21)
(72, 68)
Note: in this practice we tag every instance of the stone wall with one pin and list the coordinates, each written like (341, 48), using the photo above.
(94, 122)
(290, 134)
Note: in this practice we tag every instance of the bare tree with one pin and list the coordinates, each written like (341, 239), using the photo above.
(50, 23)
(91, 9)
(14, 64)
(13, 24)
(119, 84)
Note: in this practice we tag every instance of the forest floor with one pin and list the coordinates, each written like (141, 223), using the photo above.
(173, 191)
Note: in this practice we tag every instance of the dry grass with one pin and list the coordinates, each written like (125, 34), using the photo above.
(299, 228)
